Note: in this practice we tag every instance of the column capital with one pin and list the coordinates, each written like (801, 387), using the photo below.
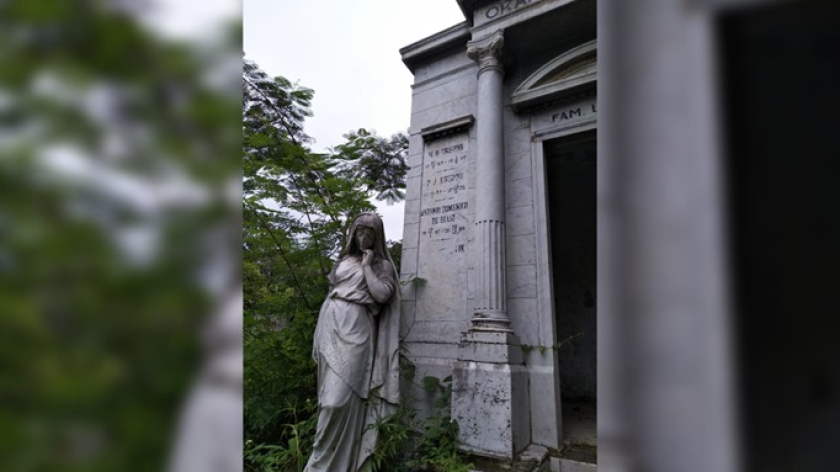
(487, 51)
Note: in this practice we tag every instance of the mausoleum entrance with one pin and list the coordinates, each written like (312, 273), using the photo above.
(570, 172)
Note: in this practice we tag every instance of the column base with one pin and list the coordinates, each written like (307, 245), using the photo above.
(495, 347)
(490, 395)
(491, 322)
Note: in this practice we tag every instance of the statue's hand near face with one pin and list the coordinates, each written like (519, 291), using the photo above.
(365, 238)
(367, 257)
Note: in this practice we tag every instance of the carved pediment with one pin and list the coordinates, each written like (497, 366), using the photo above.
(564, 75)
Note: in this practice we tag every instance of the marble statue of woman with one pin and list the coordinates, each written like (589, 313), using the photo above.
(355, 347)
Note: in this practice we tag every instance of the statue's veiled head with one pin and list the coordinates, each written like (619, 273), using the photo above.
(374, 232)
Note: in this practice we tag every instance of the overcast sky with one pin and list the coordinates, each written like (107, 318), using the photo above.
(348, 52)
(182, 18)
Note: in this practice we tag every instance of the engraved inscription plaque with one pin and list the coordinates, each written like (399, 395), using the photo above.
(444, 218)
(443, 204)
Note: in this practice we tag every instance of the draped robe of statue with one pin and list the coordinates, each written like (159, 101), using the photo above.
(355, 347)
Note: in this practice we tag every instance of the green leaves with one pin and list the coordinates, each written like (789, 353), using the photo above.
(407, 443)
(527, 348)
(289, 234)
(431, 384)
(378, 163)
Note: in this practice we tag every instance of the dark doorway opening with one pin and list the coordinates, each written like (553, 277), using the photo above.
(781, 79)
(571, 189)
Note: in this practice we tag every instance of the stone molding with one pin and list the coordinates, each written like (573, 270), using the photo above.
(453, 37)
(567, 74)
(458, 125)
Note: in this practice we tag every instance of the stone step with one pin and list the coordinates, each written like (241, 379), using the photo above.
(574, 457)
(558, 464)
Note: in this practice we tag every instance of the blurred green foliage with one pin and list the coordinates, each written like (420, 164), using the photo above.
(116, 145)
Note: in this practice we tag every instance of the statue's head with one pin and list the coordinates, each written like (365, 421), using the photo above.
(373, 229)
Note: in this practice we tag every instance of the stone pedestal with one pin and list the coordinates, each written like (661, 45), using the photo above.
(490, 395)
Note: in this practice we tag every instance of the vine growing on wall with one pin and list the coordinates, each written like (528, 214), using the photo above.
(527, 348)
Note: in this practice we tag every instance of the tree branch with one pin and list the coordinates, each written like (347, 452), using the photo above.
(283, 255)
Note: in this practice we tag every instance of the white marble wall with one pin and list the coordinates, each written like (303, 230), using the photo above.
(437, 311)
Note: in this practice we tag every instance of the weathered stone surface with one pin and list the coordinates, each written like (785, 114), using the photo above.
(490, 347)
(522, 281)
(520, 220)
(407, 316)
(518, 166)
(412, 216)
(411, 237)
(412, 188)
(490, 394)
(415, 163)
(520, 192)
(408, 264)
(456, 86)
(525, 319)
(490, 403)
(445, 349)
(443, 112)
(517, 133)
(436, 332)
(521, 250)
(544, 390)
(433, 72)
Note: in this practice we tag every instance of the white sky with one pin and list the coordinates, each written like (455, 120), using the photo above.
(348, 52)
(185, 18)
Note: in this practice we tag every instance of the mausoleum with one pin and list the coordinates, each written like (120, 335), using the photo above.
(500, 225)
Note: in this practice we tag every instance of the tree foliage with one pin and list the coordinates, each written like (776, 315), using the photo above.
(113, 149)
(376, 161)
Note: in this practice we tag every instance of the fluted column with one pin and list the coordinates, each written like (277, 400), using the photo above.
(490, 310)
(490, 397)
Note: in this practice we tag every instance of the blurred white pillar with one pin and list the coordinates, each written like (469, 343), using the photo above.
(209, 435)
(666, 399)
